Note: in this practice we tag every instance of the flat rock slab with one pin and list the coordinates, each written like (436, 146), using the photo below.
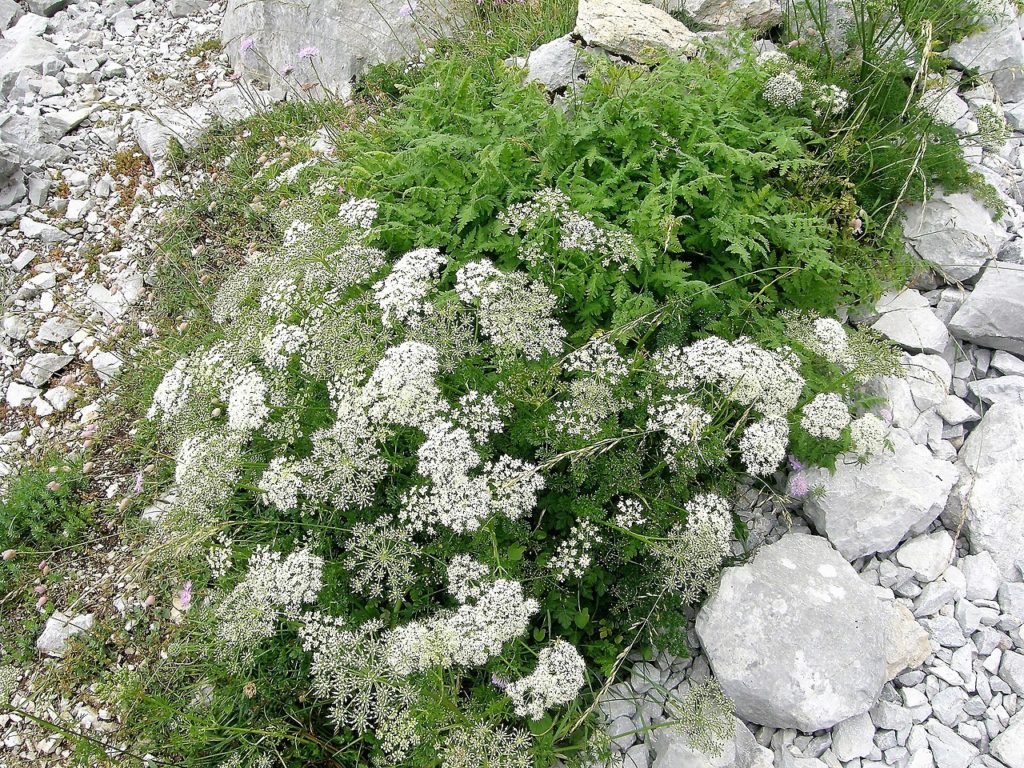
(871, 507)
(672, 748)
(993, 314)
(633, 29)
(955, 233)
(809, 651)
(989, 496)
(59, 629)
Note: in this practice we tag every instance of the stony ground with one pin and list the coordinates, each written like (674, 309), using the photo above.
(878, 624)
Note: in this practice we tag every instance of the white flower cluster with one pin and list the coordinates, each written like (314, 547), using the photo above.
(380, 559)
(514, 312)
(273, 587)
(557, 679)
(402, 295)
(826, 416)
(514, 486)
(710, 512)
(403, 388)
(868, 435)
(763, 445)
(682, 422)
(467, 636)
(765, 380)
(630, 513)
(280, 344)
(590, 402)
(600, 358)
(577, 231)
(247, 403)
(219, 555)
(466, 577)
(358, 213)
(479, 414)
(574, 555)
(783, 90)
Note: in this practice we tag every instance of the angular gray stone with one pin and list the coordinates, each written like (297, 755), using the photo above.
(906, 642)
(914, 398)
(982, 576)
(672, 749)
(989, 497)
(993, 51)
(634, 29)
(40, 230)
(31, 53)
(556, 64)
(10, 12)
(1011, 599)
(927, 556)
(871, 507)
(955, 233)
(955, 411)
(810, 651)
(47, 7)
(1008, 746)
(42, 365)
(948, 749)
(181, 8)
(728, 14)
(59, 629)
(853, 737)
(993, 315)
(1001, 389)
(911, 323)
(1011, 671)
(351, 36)
(29, 25)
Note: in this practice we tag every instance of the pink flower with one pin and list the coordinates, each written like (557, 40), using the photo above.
(235, 76)
(185, 596)
(798, 487)
(288, 69)
(247, 44)
(794, 463)
(138, 483)
(407, 9)
(309, 52)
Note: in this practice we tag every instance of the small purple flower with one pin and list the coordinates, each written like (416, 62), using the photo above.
(247, 44)
(185, 597)
(138, 483)
(407, 9)
(288, 69)
(499, 682)
(309, 52)
(886, 415)
(794, 463)
(235, 77)
(798, 487)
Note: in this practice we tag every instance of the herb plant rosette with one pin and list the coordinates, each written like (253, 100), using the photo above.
(466, 509)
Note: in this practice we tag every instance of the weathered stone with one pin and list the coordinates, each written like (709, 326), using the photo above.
(29, 25)
(948, 749)
(31, 53)
(40, 230)
(913, 399)
(955, 233)
(19, 394)
(809, 652)
(1011, 599)
(634, 29)
(906, 641)
(982, 576)
(10, 12)
(1009, 745)
(955, 411)
(728, 14)
(853, 737)
(349, 35)
(989, 497)
(1001, 389)
(868, 508)
(556, 64)
(181, 8)
(993, 315)
(672, 749)
(59, 629)
(47, 7)
(927, 556)
(911, 323)
(42, 365)
(995, 49)
(1011, 671)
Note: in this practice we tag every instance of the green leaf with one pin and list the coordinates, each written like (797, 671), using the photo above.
(583, 617)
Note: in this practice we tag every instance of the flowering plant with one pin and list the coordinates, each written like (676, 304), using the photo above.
(481, 503)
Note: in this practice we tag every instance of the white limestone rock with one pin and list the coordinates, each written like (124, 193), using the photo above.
(871, 507)
(989, 496)
(672, 749)
(59, 629)
(634, 29)
(955, 233)
(993, 315)
(557, 64)
(810, 651)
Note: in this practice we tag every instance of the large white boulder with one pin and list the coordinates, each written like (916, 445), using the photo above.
(989, 497)
(993, 314)
(908, 320)
(557, 64)
(634, 29)
(997, 52)
(725, 14)
(955, 233)
(795, 637)
(349, 35)
(872, 507)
